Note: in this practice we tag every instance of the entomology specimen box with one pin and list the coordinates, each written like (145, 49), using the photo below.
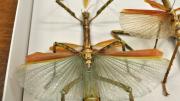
(161, 23)
(91, 74)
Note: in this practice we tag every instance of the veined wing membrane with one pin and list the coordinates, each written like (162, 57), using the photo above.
(45, 80)
(146, 23)
(75, 93)
(143, 75)
(110, 92)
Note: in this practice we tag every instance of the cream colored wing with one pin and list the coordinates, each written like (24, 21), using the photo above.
(147, 25)
(45, 80)
(142, 75)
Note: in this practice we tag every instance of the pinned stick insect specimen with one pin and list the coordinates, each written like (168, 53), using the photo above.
(156, 24)
(92, 74)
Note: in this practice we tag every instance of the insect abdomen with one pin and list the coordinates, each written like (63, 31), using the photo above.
(92, 99)
(90, 86)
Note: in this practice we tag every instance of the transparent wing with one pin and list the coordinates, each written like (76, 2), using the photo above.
(147, 26)
(45, 80)
(143, 75)
(109, 92)
(75, 93)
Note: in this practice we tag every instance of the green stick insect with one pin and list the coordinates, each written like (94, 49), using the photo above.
(91, 74)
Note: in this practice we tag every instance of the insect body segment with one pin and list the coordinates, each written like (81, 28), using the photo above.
(87, 48)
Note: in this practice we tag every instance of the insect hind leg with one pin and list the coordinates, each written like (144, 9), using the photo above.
(66, 89)
(53, 76)
(120, 85)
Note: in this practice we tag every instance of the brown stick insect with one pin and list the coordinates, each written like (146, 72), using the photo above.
(161, 23)
(90, 73)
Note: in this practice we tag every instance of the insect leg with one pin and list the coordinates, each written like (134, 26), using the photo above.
(65, 46)
(120, 85)
(168, 69)
(120, 32)
(101, 9)
(155, 4)
(157, 37)
(66, 89)
(177, 9)
(130, 72)
(124, 44)
(167, 4)
(67, 9)
(110, 45)
(53, 76)
(156, 43)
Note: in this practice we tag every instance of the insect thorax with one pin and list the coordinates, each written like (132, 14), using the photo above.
(87, 55)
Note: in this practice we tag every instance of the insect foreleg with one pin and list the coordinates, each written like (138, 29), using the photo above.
(67, 9)
(120, 85)
(124, 44)
(65, 46)
(101, 9)
(66, 89)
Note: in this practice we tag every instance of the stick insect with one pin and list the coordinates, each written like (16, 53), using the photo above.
(92, 74)
(156, 24)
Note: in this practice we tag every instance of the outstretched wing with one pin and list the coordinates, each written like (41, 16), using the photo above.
(147, 23)
(45, 80)
(143, 75)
